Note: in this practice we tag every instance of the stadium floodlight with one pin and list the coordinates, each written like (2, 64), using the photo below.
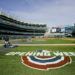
(0, 12)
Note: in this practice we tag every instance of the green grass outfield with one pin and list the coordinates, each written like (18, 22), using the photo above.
(53, 41)
(11, 65)
(43, 41)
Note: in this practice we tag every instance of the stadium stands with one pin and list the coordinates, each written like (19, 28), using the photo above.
(11, 26)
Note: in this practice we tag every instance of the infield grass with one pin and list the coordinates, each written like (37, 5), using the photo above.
(11, 65)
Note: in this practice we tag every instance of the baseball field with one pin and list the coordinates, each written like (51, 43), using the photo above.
(12, 64)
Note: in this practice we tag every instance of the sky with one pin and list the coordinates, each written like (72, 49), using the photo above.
(50, 12)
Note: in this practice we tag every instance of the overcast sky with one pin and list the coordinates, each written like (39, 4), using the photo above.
(50, 12)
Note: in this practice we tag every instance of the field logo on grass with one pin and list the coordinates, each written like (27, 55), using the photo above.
(43, 61)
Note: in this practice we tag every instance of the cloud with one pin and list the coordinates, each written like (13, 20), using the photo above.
(51, 12)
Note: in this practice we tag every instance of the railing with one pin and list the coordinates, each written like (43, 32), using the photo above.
(22, 26)
(19, 32)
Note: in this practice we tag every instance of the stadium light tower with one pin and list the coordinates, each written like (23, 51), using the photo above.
(0, 10)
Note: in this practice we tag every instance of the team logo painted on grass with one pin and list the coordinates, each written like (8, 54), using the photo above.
(44, 62)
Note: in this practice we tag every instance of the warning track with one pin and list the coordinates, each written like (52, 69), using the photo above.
(43, 44)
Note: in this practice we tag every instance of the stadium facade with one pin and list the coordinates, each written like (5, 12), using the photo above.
(67, 31)
(11, 26)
